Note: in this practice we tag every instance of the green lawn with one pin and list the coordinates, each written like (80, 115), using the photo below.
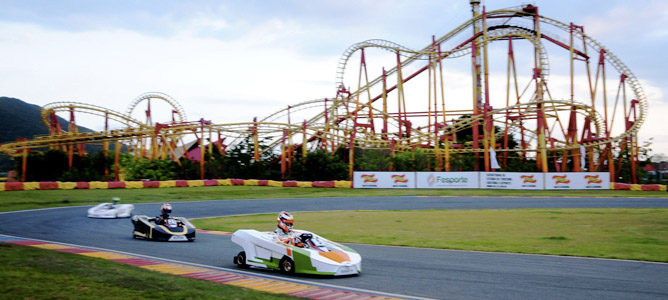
(32, 273)
(637, 234)
(17, 200)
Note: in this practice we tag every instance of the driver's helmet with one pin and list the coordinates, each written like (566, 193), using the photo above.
(285, 221)
(166, 209)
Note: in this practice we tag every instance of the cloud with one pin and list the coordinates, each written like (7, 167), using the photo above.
(655, 127)
(644, 20)
(111, 67)
(203, 24)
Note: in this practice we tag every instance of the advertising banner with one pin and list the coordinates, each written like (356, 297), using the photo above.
(383, 180)
(447, 180)
(577, 181)
(483, 180)
(516, 181)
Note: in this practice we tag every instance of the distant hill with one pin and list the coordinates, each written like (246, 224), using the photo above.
(19, 119)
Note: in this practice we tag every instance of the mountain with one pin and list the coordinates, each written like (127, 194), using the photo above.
(19, 119)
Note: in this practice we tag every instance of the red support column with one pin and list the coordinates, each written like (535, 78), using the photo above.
(384, 95)
(24, 163)
(219, 143)
(72, 128)
(304, 139)
(351, 149)
(116, 160)
(201, 151)
(105, 146)
(393, 143)
(399, 94)
(283, 165)
(323, 145)
(572, 139)
(256, 145)
(477, 100)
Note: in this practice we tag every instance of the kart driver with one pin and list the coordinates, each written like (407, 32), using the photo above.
(113, 204)
(284, 230)
(165, 210)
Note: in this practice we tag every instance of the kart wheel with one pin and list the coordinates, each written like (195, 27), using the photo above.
(240, 260)
(287, 265)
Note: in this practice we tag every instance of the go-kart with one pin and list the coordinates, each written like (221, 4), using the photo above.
(317, 256)
(111, 210)
(175, 229)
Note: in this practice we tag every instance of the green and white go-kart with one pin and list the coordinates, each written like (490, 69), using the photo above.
(317, 256)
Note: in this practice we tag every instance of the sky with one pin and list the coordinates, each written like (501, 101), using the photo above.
(229, 61)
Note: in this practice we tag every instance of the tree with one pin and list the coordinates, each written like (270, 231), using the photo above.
(53, 165)
(622, 157)
(144, 169)
(319, 165)
(416, 160)
(372, 160)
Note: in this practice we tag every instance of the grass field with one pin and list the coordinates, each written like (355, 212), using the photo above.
(17, 200)
(637, 234)
(32, 273)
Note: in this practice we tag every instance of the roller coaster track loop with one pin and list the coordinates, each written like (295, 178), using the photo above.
(503, 32)
(611, 58)
(90, 109)
(495, 33)
(176, 107)
(505, 25)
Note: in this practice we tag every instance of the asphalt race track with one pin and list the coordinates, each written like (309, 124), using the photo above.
(412, 272)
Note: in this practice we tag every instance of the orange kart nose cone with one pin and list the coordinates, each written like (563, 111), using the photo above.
(337, 256)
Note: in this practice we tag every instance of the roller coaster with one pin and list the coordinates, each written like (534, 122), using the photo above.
(399, 99)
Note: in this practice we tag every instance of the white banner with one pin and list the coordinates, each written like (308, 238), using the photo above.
(515, 181)
(483, 180)
(447, 180)
(577, 181)
(383, 180)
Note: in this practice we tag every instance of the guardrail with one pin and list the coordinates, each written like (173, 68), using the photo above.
(57, 185)
(85, 185)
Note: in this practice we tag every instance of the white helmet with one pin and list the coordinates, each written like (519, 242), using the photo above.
(285, 221)
(166, 209)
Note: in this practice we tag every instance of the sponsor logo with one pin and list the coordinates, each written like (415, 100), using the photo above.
(452, 179)
(439, 180)
(399, 178)
(369, 178)
(561, 179)
(593, 179)
(528, 179)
